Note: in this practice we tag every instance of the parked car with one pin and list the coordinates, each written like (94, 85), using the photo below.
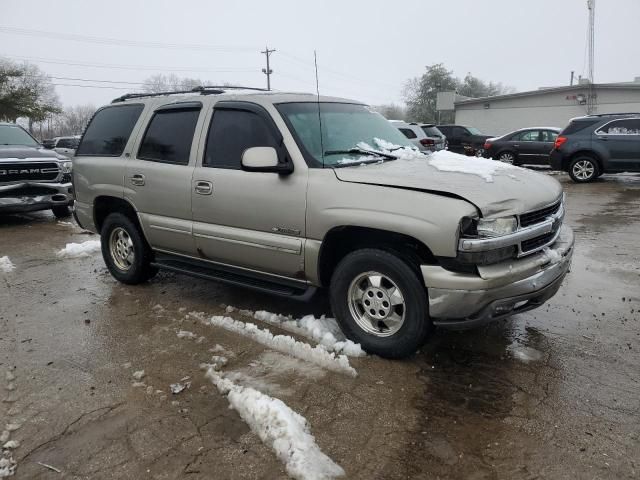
(286, 193)
(591, 146)
(463, 139)
(31, 177)
(66, 145)
(527, 146)
(424, 138)
(432, 132)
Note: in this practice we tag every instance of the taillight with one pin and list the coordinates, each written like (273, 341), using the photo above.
(428, 142)
(487, 145)
(559, 142)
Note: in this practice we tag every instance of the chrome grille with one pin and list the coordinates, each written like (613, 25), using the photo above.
(537, 216)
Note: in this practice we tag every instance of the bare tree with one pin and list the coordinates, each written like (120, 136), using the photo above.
(391, 111)
(170, 83)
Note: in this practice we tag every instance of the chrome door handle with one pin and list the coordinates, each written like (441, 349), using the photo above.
(204, 188)
(137, 179)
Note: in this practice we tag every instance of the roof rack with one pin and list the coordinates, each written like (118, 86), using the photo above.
(202, 90)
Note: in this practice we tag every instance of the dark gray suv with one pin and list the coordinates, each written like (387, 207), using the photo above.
(596, 144)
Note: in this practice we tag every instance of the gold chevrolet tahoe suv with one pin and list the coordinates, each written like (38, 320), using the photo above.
(287, 193)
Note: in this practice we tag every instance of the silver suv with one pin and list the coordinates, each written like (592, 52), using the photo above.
(286, 193)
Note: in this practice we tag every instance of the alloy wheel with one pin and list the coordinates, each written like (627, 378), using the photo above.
(584, 170)
(507, 157)
(376, 304)
(121, 248)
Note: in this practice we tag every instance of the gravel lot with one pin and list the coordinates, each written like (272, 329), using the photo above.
(552, 393)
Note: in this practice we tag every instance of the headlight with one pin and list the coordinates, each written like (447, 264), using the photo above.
(496, 227)
(67, 167)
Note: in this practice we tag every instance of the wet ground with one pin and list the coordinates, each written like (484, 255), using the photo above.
(552, 393)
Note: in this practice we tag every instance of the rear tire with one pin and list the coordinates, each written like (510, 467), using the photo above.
(583, 169)
(61, 211)
(380, 303)
(125, 251)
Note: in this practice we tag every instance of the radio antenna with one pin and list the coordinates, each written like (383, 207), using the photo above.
(315, 61)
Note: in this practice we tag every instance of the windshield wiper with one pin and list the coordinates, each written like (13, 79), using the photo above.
(362, 151)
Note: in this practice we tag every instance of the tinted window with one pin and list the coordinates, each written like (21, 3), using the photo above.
(66, 143)
(445, 130)
(578, 125)
(549, 136)
(432, 131)
(109, 130)
(460, 132)
(169, 135)
(408, 132)
(630, 126)
(231, 132)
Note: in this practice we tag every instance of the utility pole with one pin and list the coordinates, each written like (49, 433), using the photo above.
(591, 100)
(267, 71)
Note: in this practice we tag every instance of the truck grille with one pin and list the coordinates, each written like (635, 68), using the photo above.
(27, 192)
(537, 216)
(28, 171)
(537, 242)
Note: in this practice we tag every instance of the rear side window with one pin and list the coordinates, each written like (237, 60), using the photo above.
(231, 132)
(109, 131)
(629, 126)
(169, 136)
(408, 133)
(578, 125)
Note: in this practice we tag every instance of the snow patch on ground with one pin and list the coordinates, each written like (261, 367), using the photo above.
(323, 330)
(186, 334)
(78, 250)
(6, 265)
(447, 161)
(282, 429)
(7, 466)
(286, 344)
(525, 354)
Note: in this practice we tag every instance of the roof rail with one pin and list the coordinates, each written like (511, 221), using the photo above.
(202, 90)
(613, 114)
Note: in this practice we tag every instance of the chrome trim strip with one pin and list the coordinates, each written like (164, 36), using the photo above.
(168, 229)
(248, 244)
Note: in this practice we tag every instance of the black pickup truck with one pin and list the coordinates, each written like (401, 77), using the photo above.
(31, 177)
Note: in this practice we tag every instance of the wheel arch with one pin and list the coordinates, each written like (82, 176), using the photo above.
(105, 204)
(583, 153)
(342, 240)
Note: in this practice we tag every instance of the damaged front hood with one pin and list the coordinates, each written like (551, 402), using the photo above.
(495, 188)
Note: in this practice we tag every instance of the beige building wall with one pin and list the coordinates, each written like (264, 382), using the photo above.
(552, 109)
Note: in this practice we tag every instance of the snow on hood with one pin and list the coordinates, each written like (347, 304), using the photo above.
(496, 188)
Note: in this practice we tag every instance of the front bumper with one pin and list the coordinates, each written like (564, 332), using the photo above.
(458, 300)
(33, 196)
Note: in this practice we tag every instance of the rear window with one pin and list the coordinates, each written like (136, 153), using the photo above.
(109, 131)
(578, 125)
(432, 131)
(408, 133)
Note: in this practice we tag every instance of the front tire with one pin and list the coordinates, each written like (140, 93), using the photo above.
(61, 211)
(380, 303)
(125, 251)
(583, 169)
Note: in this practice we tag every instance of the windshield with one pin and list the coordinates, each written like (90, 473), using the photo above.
(474, 131)
(15, 135)
(350, 133)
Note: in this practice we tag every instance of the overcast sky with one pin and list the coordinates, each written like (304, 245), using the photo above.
(366, 49)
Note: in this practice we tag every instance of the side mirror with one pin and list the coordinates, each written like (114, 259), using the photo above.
(264, 159)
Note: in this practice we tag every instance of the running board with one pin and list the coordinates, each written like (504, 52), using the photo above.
(281, 287)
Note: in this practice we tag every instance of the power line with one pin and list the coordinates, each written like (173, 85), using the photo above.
(86, 79)
(89, 86)
(120, 42)
(74, 63)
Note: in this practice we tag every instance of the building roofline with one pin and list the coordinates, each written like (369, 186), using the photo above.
(567, 88)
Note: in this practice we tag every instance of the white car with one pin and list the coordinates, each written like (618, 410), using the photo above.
(66, 145)
(424, 136)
